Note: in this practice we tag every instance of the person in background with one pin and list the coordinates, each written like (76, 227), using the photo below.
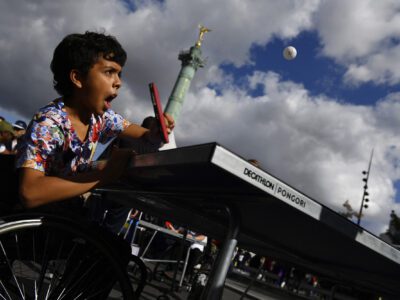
(254, 162)
(19, 129)
(7, 135)
(196, 248)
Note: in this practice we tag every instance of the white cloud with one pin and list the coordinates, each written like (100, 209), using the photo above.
(363, 35)
(379, 68)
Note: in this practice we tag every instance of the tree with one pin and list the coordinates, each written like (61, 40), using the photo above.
(349, 213)
(394, 227)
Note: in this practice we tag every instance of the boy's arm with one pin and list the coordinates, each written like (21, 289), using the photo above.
(36, 188)
(152, 134)
(134, 131)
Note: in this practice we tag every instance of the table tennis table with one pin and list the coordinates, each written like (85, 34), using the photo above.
(214, 191)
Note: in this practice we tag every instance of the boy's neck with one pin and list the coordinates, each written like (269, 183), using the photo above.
(76, 111)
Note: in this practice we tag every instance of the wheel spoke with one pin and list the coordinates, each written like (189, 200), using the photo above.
(57, 272)
(10, 268)
(5, 290)
(44, 263)
(82, 276)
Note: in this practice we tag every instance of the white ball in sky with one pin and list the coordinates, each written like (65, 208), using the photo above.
(289, 53)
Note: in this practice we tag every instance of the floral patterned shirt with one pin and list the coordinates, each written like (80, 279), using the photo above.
(51, 145)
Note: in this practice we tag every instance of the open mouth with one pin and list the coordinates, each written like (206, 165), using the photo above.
(108, 100)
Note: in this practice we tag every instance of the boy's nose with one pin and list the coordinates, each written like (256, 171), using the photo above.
(117, 82)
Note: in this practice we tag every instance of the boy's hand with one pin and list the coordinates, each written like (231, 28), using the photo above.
(154, 135)
(169, 122)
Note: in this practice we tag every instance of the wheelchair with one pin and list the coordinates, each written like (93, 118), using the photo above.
(44, 256)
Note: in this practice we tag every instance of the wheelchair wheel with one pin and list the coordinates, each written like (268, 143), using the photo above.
(48, 257)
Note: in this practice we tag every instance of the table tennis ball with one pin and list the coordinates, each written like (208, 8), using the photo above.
(289, 53)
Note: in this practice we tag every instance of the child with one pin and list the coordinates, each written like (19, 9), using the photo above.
(58, 147)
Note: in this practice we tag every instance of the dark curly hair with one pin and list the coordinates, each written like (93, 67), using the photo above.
(81, 52)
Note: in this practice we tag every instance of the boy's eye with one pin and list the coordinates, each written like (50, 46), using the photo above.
(112, 72)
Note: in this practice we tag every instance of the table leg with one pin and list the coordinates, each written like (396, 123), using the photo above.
(216, 281)
(179, 257)
(184, 267)
(148, 245)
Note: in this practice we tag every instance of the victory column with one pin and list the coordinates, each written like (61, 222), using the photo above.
(191, 61)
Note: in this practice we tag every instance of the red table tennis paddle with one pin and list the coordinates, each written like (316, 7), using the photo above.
(155, 99)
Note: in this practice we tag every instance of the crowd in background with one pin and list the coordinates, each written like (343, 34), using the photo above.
(292, 278)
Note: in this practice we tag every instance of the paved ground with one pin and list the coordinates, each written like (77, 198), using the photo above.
(161, 289)
(233, 291)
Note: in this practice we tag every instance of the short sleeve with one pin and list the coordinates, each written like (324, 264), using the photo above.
(113, 125)
(37, 148)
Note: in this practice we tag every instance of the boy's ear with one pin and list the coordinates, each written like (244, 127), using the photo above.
(76, 78)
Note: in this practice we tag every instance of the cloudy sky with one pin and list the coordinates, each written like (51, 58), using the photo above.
(312, 121)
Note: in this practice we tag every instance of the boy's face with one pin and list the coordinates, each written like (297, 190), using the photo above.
(100, 86)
